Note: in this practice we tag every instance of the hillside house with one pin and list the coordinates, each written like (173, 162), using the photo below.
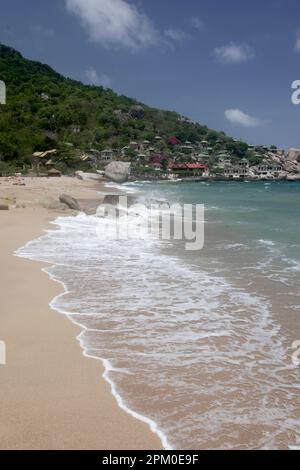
(236, 172)
(106, 155)
(224, 160)
(189, 169)
(267, 169)
(134, 145)
(244, 163)
(40, 158)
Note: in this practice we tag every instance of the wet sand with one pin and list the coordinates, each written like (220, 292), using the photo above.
(51, 396)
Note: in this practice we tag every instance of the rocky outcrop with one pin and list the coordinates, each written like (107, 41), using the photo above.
(292, 162)
(70, 201)
(118, 172)
(137, 112)
(294, 155)
(293, 177)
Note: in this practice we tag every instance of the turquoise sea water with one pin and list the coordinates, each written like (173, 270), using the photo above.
(197, 343)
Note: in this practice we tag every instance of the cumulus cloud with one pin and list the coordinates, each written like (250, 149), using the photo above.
(236, 116)
(114, 22)
(176, 35)
(234, 53)
(93, 78)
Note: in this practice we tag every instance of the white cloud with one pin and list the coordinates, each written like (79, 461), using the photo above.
(94, 79)
(197, 23)
(297, 44)
(114, 22)
(236, 116)
(234, 53)
(176, 35)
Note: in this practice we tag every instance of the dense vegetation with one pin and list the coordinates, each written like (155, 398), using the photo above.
(45, 110)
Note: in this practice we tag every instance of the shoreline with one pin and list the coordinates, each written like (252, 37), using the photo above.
(105, 364)
(51, 396)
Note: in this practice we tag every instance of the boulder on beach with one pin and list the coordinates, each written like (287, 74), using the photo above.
(89, 176)
(70, 201)
(48, 202)
(118, 172)
(114, 199)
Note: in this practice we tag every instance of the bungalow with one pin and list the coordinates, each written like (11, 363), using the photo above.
(187, 148)
(145, 145)
(107, 155)
(197, 169)
(224, 160)
(188, 169)
(244, 163)
(37, 159)
(134, 145)
(236, 172)
(266, 169)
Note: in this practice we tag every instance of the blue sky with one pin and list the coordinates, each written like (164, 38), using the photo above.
(228, 64)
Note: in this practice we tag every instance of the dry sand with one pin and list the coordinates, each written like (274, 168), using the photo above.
(51, 396)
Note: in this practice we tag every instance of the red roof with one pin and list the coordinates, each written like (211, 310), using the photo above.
(178, 166)
(196, 166)
(187, 166)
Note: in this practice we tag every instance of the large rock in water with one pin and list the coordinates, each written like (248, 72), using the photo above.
(70, 202)
(118, 171)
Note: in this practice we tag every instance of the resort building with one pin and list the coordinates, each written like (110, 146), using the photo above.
(189, 169)
(107, 155)
(268, 169)
(236, 171)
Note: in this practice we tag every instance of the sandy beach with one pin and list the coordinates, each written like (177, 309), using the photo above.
(51, 396)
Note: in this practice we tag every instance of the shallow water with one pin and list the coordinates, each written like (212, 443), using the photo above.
(200, 343)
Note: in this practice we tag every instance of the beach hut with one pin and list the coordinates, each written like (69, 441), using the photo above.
(37, 159)
(54, 173)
